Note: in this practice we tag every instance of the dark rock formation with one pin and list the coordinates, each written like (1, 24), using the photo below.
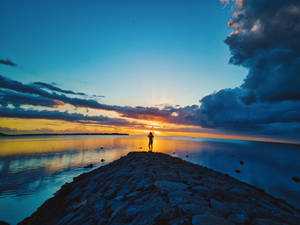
(296, 179)
(155, 188)
(89, 166)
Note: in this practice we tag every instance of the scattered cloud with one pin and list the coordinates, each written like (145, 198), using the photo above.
(17, 99)
(18, 112)
(139, 112)
(7, 62)
(54, 88)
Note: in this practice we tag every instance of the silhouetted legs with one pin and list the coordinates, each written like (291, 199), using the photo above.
(150, 146)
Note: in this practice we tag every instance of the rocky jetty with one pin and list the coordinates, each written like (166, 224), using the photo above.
(155, 188)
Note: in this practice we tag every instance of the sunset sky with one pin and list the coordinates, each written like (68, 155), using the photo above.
(224, 69)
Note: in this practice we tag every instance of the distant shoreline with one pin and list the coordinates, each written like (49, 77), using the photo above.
(47, 134)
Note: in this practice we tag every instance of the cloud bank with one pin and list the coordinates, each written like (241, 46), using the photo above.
(39, 93)
(66, 116)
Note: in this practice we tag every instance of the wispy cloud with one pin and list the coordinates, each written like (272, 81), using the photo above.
(18, 98)
(54, 88)
(18, 112)
(139, 112)
(7, 62)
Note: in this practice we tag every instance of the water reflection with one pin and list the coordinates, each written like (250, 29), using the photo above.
(32, 169)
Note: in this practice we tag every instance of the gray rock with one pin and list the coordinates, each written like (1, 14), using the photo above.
(238, 218)
(89, 166)
(200, 188)
(66, 219)
(120, 197)
(195, 208)
(116, 206)
(133, 194)
(126, 189)
(111, 192)
(209, 219)
(240, 191)
(170, 185)
(179, 197)
(220, 207)
(267, 221)
(144, 183)
(133, 210)
(99, 205)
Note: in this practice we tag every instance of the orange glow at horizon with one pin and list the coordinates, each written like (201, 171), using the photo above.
(36, 126)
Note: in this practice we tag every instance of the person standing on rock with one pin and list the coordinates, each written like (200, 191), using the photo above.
(150, 145)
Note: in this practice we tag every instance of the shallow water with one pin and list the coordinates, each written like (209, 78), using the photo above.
(32, 169)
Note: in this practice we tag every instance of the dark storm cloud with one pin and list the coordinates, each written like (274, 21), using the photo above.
(265, 40)
(7, 62)
(226, 109)
(57, 115)
(54, 88)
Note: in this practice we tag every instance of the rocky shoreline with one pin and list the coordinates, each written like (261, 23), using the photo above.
(155, 188)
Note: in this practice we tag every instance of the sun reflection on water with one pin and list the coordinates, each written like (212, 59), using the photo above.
(34, 168)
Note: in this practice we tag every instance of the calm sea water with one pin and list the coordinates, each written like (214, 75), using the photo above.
(32, 169)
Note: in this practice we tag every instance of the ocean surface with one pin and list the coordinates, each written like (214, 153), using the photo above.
(32, 169)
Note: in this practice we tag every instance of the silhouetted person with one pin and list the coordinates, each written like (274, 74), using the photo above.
(150, 136)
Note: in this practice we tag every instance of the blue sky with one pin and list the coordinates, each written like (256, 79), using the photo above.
(132, 52)
(163, 56)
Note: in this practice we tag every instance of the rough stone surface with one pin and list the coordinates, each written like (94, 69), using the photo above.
(208, 219)
(155, 188)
